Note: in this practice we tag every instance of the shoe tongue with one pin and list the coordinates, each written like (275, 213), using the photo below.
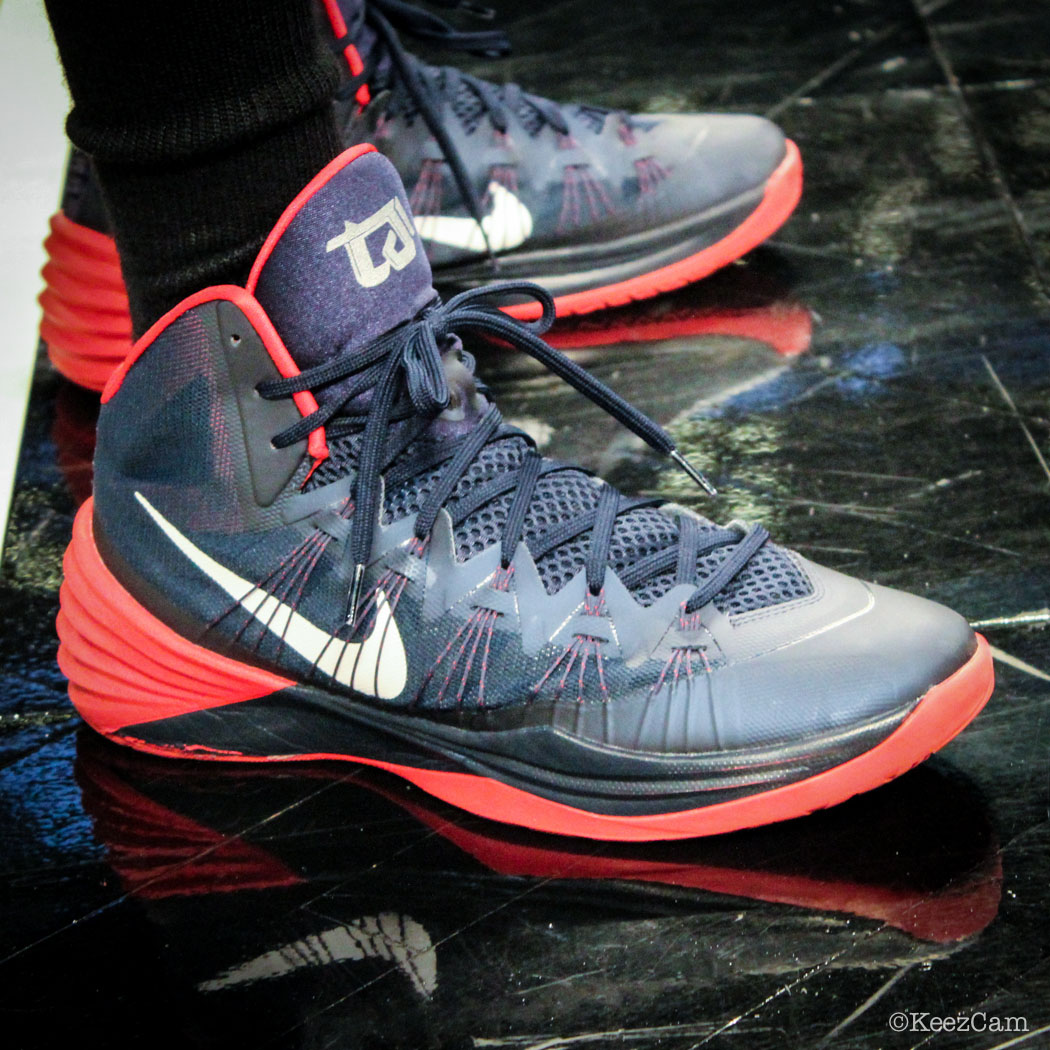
(344, 263)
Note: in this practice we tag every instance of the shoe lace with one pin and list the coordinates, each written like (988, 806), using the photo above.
(428, 86)
(400, 378)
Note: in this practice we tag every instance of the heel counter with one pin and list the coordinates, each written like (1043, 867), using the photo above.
(185, 429)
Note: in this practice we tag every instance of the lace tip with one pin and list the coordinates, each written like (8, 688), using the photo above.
(693, 472)
(355, 595)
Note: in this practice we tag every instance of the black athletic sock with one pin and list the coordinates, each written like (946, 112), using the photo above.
(204, 119)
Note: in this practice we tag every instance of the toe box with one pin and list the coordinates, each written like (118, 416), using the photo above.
(716, 158)
(856, 653)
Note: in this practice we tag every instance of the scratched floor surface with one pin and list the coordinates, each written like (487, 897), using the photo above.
(876, 386)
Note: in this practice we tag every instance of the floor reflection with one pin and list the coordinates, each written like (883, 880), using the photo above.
(306, 891)
(751, 301)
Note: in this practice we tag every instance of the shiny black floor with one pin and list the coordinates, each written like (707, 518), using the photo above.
(876, 387)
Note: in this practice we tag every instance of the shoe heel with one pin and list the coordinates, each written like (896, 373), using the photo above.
(86, 324)
(125, 667)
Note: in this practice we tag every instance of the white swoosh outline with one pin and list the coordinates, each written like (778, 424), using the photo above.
(376, 667)
(508, 224)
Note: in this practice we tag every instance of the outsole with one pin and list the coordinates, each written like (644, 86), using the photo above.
(86, 322)
(126, 668)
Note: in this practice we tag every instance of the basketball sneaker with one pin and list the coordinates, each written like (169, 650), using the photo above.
(313, 536)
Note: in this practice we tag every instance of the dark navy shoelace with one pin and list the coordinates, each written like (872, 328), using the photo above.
(427, 86)
(403, 377)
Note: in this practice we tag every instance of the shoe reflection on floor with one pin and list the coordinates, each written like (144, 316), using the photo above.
(314, 887)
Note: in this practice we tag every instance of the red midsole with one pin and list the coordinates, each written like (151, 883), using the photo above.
(123, 664)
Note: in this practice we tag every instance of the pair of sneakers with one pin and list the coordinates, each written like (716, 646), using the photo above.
(313, 535)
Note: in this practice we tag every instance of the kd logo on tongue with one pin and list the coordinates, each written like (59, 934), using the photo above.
(399, 248)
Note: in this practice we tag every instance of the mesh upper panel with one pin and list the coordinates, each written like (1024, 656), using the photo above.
(563, 495)
(470, 110)
(340, 462)
(483, 528)
(496, 458)
(639, 533)
(408, 499)
(530, 117)
(771, 577)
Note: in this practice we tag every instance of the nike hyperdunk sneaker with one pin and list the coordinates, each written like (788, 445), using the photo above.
(601, 207)
(313, 536)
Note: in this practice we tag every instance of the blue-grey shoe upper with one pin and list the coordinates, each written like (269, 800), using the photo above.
(191, 492)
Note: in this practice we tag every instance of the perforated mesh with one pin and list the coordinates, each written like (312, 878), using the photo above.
(470, 110)
(566, 494)
(408, 498)
(340, 462)
(655, 588)
(770, 578)
(638, 533)
(485, 527)
(530, 117)
(558, 567)
(482, 529)
(494, 459)
(572, 493)
(559, 497)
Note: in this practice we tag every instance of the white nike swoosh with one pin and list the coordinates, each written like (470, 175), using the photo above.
(376, 667)
(508, 224)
